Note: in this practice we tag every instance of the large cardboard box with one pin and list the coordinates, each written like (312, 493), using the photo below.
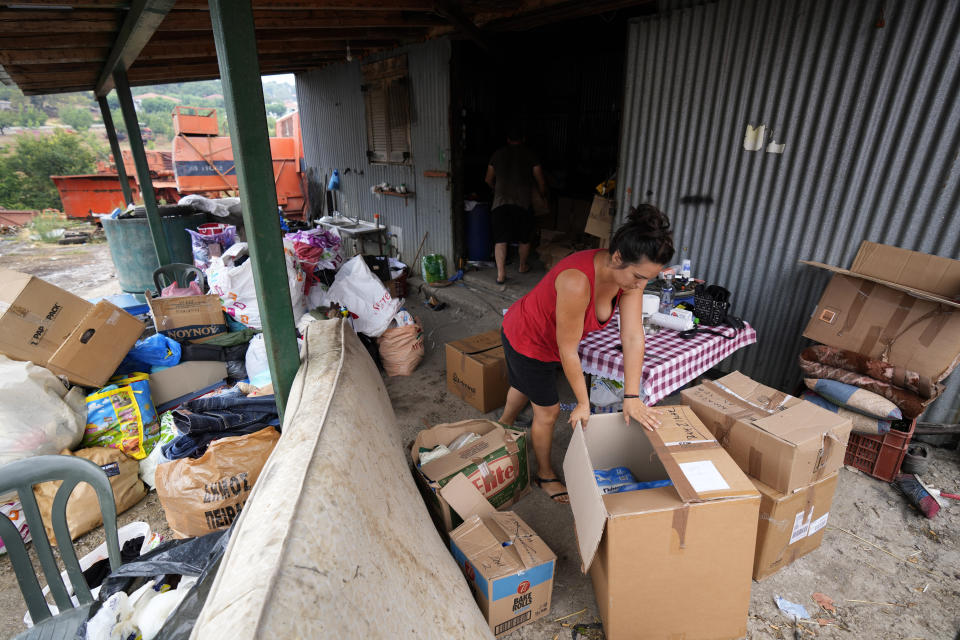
(477, 371)
(783, 441)
(791, 524)
(508, 566)
(676, 561)
(188, 318)
(497, 464)
(53, 328)
(893, 304)
(600, 219)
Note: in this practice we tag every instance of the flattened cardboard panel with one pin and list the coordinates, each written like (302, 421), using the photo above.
(859, 316)
(586, 501)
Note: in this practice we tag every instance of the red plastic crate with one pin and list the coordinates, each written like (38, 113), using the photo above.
(880, 456)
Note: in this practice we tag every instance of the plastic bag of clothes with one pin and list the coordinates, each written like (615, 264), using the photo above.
(207, 246)
(38, 416)
(401, 346)
(156, 351)
(201, 495)
(183, 568)
(231, 278)
(155, 457)
(121, 416)
(14, 511)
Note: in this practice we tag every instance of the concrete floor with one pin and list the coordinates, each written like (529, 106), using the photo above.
(903, 570)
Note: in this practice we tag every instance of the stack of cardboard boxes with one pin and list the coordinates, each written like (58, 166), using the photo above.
(790, 448)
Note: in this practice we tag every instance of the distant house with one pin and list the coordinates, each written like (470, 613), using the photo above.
(213, 96)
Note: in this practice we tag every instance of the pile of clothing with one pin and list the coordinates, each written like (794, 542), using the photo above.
(871, 393)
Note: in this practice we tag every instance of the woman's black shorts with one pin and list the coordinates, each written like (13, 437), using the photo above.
(512, 224)
(533, 378)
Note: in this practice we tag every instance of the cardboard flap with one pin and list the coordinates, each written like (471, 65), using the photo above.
(699, 469)
(523, 545)
(478, 343)
(922, 271)
(800, 423)
(92, 352)
(752, 393)
(949, 300)
(465, 499)
(586, 500)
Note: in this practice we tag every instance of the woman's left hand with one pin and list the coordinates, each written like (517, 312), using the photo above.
(647, 416)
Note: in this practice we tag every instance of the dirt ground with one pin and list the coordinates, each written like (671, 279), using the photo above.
(891, 573)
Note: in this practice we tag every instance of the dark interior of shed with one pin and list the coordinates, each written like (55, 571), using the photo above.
(562, 84)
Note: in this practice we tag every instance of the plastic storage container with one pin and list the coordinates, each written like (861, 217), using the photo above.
(880, 456)
(479, 240)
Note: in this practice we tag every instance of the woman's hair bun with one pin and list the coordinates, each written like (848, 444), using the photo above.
(645, 235)
(649, 220)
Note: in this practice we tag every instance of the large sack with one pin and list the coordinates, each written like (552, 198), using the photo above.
(83, 508)
(202, 495)
(401, 349)
(38, 416)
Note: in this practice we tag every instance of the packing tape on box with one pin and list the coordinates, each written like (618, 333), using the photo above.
(29, 316)
(680, 518)
(933, 329)
(775, 401)
(904, 307)
(859, 302)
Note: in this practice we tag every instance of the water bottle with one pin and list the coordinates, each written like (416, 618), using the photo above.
(666, 294)
(685, 270)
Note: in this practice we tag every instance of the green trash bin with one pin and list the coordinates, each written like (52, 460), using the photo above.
(133, 253)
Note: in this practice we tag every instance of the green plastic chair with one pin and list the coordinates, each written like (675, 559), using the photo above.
(20, 476)
(180, 273)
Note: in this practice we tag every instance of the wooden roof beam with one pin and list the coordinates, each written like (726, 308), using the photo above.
(141, 23)
(181, 21)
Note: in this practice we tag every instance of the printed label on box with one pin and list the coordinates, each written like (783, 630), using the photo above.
(818, 524)
(801, 527)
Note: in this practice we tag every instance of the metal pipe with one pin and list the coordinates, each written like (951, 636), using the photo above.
(233, 34)
(143, 170)
(115, 148)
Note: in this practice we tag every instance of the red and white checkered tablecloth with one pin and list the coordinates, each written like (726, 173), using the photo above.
(669, 361)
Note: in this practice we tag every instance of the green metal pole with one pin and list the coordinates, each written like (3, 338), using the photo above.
(140, 160)
(233, 34)
(115, 148)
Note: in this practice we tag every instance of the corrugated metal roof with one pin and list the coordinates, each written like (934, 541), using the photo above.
(865, 95)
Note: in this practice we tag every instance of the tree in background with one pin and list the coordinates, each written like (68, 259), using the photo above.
(31, 116)
(158, 105)
(271, 125)
(25, 174)
(7, 119)
(77, 117)
(276, 108)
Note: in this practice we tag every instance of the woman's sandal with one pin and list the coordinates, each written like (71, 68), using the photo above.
(553, 496)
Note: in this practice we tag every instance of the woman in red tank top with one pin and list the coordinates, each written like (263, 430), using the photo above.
(543, 330)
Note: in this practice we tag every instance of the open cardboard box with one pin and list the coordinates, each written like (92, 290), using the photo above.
(509, 567)
(894, 305)
(674, 561)
(496, 464)
(783, 441)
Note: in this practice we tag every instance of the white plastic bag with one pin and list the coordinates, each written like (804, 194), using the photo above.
(235, 286)
(38, 416)
(362, 293)
(258, 369)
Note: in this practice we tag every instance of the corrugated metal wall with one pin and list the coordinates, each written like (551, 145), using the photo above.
(333, 122)
(866, 96)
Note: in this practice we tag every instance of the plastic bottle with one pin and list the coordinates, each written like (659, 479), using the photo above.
(666, 294)
(685, 270)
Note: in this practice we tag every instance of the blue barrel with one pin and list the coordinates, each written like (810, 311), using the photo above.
(479, 243)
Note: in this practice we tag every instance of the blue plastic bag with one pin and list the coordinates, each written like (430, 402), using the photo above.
(334, 183)
(156, 351)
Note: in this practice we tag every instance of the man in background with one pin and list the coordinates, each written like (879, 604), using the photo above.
(512, 173)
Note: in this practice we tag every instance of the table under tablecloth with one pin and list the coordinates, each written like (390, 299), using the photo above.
(669, 361)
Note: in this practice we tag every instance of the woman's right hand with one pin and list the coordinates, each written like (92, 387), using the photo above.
(580, 414)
